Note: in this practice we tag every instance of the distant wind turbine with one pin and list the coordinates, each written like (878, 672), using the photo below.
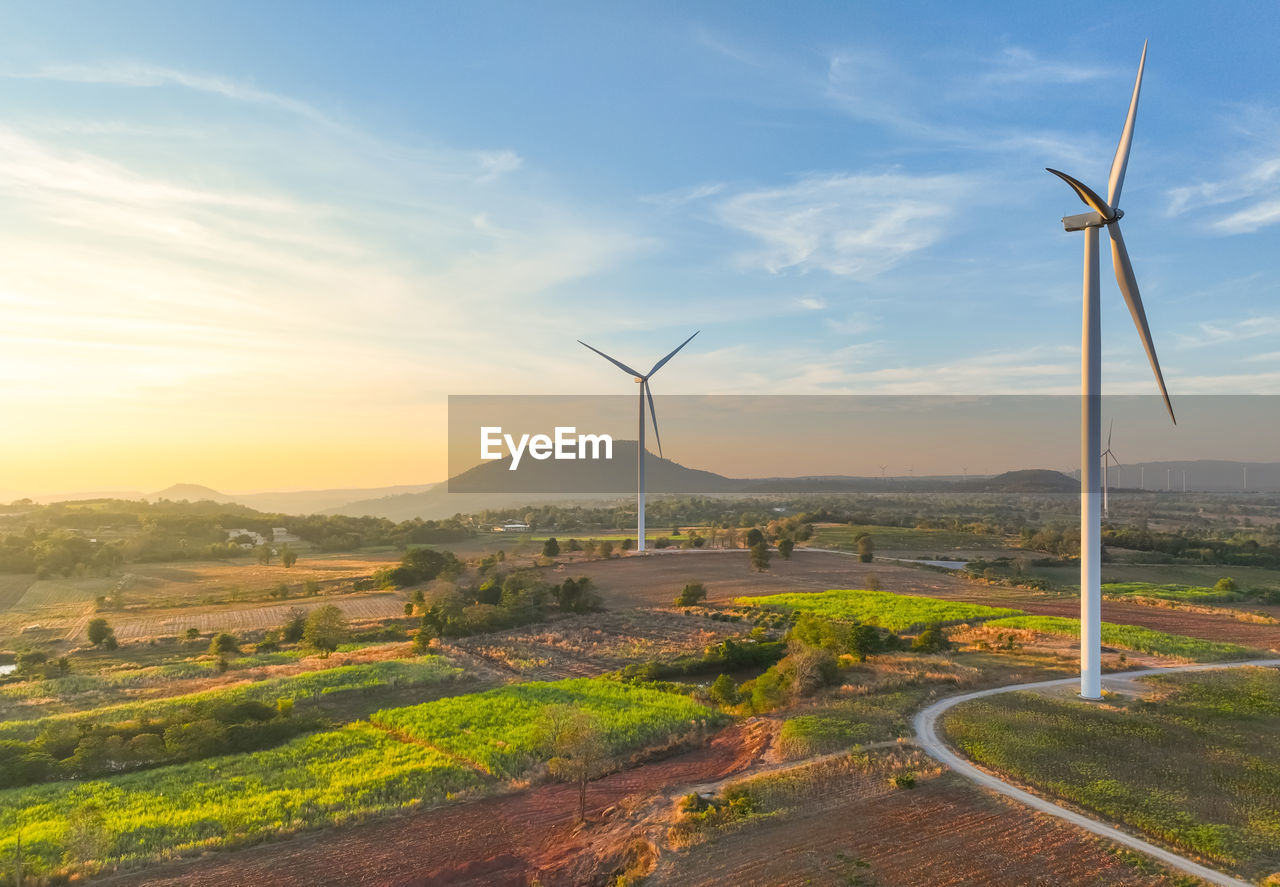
(1106, 470)
(882, 468)
(645, 393)
(1103, 212)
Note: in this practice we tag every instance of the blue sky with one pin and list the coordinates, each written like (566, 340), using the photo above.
(257, 245)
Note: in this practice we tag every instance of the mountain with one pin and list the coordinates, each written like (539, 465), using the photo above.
(493, 485)
(191, 493)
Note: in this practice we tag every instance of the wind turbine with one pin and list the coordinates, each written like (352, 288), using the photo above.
(643, 380)
(882, 468)
(1106, 471)
(1103, 212)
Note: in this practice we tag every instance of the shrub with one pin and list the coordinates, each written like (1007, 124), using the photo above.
(931, 640)
(693, 593)
(724, 691)
(224, 642)
(551, 548)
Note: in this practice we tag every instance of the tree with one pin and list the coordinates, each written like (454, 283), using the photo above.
(724, 691)
(288, 556)
(100, 631)
(606, 549)
(551, 548)
(576, 743)
(264, 553)
(866, 548)
(754, 536)
(294, 627)
(1226, 585)
(311, 588)
(325, 629)
(628, 544)
(759, 557)
(691, 595)
(193, 633)
(224, 642)
(785, 547)
(864, 642)
(931, 640)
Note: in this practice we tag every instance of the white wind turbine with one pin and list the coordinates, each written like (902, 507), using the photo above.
(1104, 212)
(1106, 470)
(645, 393)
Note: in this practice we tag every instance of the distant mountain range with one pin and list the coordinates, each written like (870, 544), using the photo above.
(492, 486)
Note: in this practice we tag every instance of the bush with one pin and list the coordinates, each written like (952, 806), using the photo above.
(931, 640)
(692, 594)
(99, 632)
(1226, 584)
(724, 691)
(551, 548)
(785, 547)
(759, 557)
(224, 642)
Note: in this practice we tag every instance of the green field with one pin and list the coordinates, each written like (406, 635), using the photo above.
(364, 676)
(1192, 594)
(402, 757)
(1194, 767)
(896, 612)
(900, 540)
(1134, 637)
(315, 780)
(1195, 575)
(499, 730)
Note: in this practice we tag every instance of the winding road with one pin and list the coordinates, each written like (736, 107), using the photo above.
(925, 725)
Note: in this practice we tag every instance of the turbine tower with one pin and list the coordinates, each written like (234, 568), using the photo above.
(1106, 471)
(1103, 212)
(643, 380)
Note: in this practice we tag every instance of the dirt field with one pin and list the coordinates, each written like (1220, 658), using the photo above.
(373, 605)
(583, 646)
(944, 833)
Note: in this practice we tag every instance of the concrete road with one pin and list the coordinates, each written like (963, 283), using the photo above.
(925, 725)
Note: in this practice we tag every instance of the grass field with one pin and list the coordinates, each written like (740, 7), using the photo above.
(903, 540)
(1134, 637)
(1193, 765)
(402, 757)
(1192, 594)
(896, 612)
(315, 780)
(1197, 575)
(366, 676)
(499, 730)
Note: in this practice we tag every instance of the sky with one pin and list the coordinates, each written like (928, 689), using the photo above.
(257, 246)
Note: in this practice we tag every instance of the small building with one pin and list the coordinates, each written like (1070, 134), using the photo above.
(233, 535)
(512, 527)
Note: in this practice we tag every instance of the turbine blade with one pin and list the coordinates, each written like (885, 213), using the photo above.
(1121, 161)
(653, 414)
(1091, 200)
(1109, 428)
(1129, 288)
(619, 364)
(660, 364)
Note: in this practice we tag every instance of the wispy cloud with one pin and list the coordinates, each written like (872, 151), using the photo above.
(1016, 65)
(1211, 334)
(812, 304)
(850, 225)
(135, 74)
